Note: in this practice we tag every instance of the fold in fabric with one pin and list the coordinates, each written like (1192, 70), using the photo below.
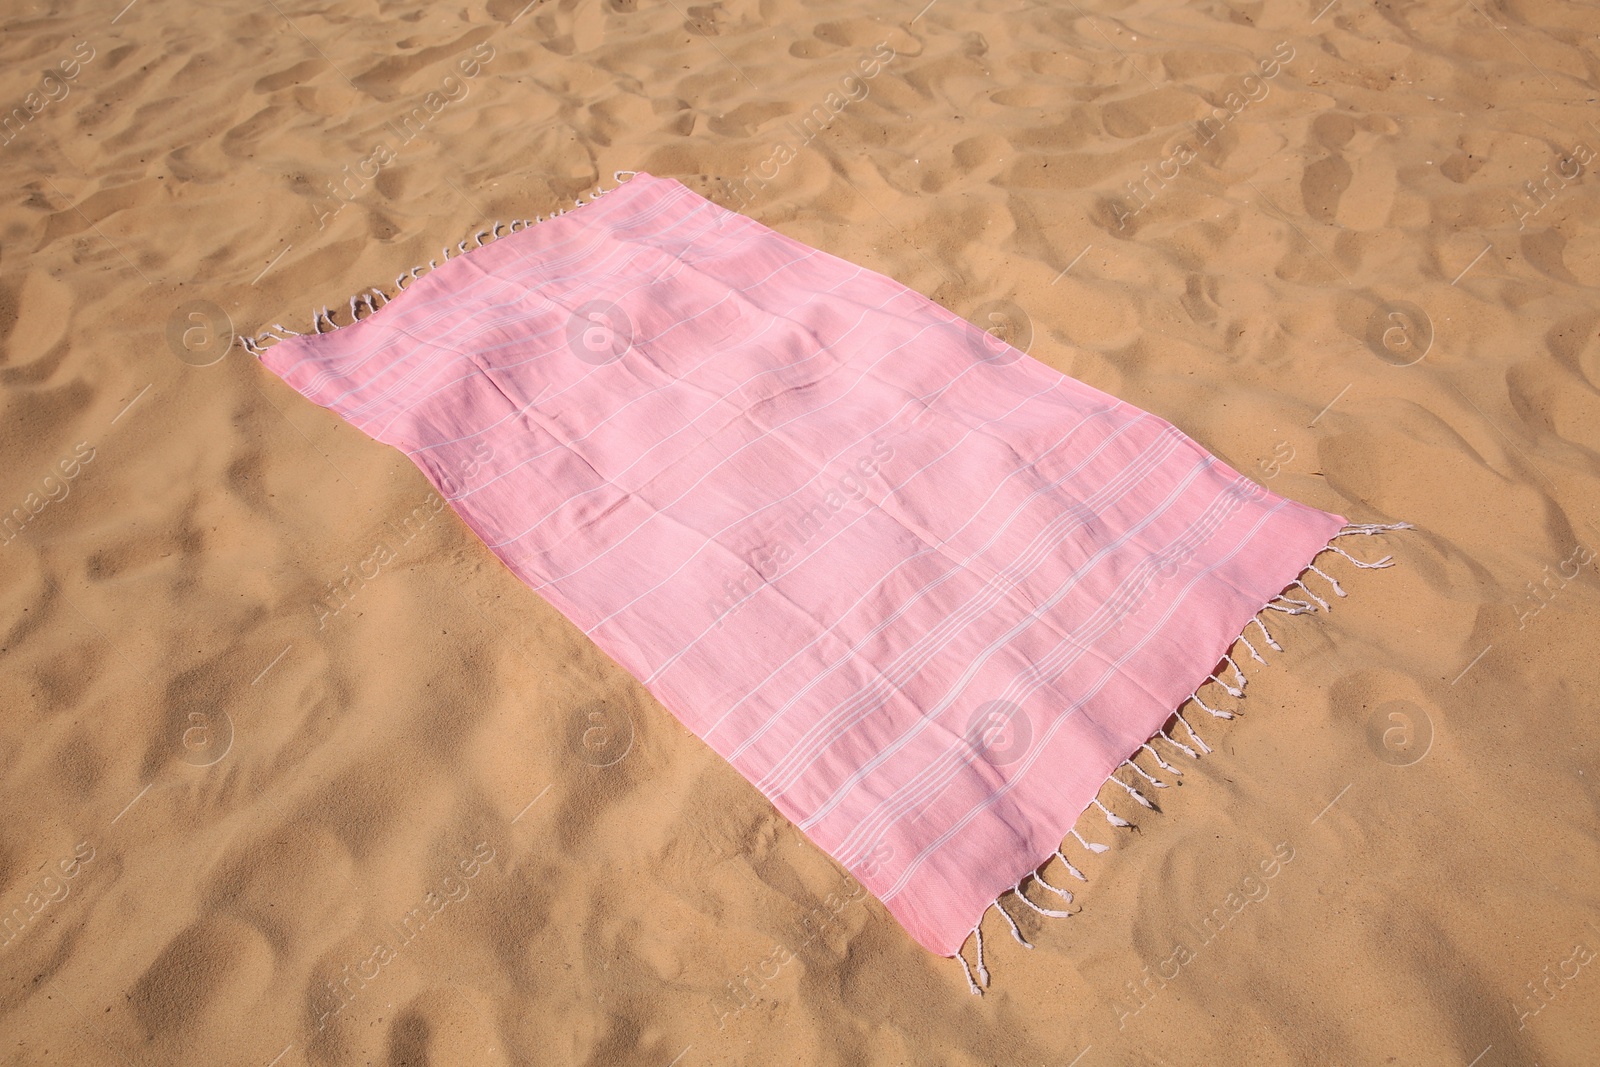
(924, 592)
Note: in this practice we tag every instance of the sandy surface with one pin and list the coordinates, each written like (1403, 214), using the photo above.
(257, 812)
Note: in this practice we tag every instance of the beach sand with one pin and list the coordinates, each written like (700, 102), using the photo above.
(295, 772)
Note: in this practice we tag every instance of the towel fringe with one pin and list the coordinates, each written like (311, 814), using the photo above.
(1195, 698)
(1263, 628)
(1193, 736)
(1232, 690)
(1079, 875)
(1144, 801)
(1016, 931)
(983, 972)
(1111, 817)
(1283, 603)
(1092, 846)
(1064, 894)
(971, 985)
(1041, 909)
(1386, 561)
(1370, 528)
(1181, 747)
(1323, 604)
(977, 936)
(1143, 773)
(1334, 582)
(1163, 764)
(257, 344)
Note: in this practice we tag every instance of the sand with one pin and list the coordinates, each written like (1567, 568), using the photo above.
(295, 772)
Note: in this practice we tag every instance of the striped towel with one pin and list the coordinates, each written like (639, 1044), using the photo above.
(924, 592)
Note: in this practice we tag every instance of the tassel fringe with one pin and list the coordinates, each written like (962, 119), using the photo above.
(1139, 797)
(1111, 817)
(1283, 603)
(323, 321)
(1163, 764)
(1142, 773)
(1016, 931)
(1057, 890)
(1092, 846)
(1263, 628)
(1192, 735)
(1079, 875)
(1179, 745)
(1041, 909)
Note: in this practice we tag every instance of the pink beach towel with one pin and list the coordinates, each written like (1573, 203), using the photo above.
(924, 592)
